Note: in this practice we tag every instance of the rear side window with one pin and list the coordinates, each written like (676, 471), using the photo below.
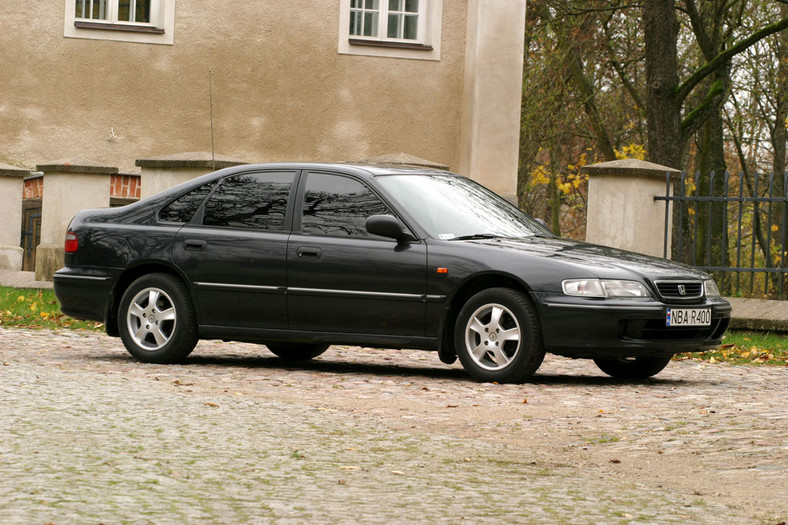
(183, 208)
(251, 201)
(338, 206)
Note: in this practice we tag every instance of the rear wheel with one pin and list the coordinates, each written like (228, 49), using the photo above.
(633, 367)
(156, 319)
(497, 336)
(297, 351)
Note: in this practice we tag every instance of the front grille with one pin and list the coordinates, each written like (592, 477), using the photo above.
(680, 289)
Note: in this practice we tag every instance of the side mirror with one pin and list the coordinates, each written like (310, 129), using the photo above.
(388, 226)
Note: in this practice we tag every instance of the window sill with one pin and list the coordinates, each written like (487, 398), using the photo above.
(118, 27)
(389, 44)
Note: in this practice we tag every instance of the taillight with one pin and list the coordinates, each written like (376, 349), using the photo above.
(72, 243)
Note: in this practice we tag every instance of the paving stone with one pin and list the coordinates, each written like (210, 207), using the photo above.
(87, 434)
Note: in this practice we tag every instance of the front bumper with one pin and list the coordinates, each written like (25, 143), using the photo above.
(589, 328)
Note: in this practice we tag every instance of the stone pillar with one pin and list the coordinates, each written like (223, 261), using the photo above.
(490, 133)
(161, 173)
(11, 184)
(622, 212)
(70, 185)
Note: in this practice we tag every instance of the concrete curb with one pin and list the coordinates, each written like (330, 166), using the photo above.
(22, 280)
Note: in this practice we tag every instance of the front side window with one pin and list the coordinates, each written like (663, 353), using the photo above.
(338, 206)
(253, 201)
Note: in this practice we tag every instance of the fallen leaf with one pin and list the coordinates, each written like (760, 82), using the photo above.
(525, 401)
(212, 405)
(615, 461)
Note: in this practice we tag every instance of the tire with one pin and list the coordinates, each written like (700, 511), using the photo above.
(297, 351)
(633, 367)
(156, 319)
(498, 337)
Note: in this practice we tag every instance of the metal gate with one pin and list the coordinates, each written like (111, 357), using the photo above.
(738, 234)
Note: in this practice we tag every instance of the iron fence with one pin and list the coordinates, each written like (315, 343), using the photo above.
(734, 227)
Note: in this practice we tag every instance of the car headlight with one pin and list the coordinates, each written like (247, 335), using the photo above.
(710, 288)
(604, 288)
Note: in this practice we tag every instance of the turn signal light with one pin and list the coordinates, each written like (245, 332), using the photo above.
(72, 243)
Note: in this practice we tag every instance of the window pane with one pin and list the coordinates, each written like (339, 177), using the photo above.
(338, 206)
(355, 23)
(98, 9)
(394, 27)
(124, 10)
(371, 4)
(255, 201)
(183, 208)
(142, 11)
(134, 11)
(412, 6)
(79, 8)
(411, 27)
(370, 24)
(394, 5)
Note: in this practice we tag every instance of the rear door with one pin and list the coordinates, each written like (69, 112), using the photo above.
(341, 279)
(234, 251)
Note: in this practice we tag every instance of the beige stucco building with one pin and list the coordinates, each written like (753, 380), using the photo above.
(263, 80)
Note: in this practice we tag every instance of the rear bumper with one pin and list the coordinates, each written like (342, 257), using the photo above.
(83, 295)
(576, 327)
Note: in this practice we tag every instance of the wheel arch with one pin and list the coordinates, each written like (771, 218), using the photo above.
(465, 291)
(130, 275)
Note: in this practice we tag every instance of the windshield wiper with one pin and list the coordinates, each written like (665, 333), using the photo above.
(475, 236)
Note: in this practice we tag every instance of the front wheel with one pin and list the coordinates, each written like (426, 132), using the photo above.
(156, 319)
(633, 367)
(297, 351)
(497, 336)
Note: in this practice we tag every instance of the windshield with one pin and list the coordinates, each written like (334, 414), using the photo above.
(451, 207)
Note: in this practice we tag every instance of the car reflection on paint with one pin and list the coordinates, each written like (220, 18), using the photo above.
(302, 256)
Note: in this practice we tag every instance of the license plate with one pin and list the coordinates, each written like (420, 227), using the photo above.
(688, 317)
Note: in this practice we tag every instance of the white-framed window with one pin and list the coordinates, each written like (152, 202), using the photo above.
(393, 28)
(146, 21)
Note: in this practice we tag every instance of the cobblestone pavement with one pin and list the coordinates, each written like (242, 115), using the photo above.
(88, 435)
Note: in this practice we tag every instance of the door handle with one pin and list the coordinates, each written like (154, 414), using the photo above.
(194, 244)
(309, 252)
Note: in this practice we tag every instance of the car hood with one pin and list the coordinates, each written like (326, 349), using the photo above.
(601, 261)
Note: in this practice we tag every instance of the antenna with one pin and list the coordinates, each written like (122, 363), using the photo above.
(210, 97)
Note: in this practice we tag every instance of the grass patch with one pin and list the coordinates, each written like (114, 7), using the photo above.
(35, 308)
(747, 348)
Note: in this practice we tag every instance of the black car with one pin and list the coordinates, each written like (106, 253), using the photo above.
(302, 256)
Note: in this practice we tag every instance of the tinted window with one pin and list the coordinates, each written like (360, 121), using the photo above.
(335, 205)
(183, 208)
(255, 200)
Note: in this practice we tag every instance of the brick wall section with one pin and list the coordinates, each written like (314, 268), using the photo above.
(125, 186)
(33, 188)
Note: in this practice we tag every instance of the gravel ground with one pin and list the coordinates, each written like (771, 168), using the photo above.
(88, 435)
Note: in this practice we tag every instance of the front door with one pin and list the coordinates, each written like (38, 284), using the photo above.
(341, 279)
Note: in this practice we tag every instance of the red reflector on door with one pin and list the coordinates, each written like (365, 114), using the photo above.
(72, 243)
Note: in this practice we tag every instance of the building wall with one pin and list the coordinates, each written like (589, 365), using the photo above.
(280, 89)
